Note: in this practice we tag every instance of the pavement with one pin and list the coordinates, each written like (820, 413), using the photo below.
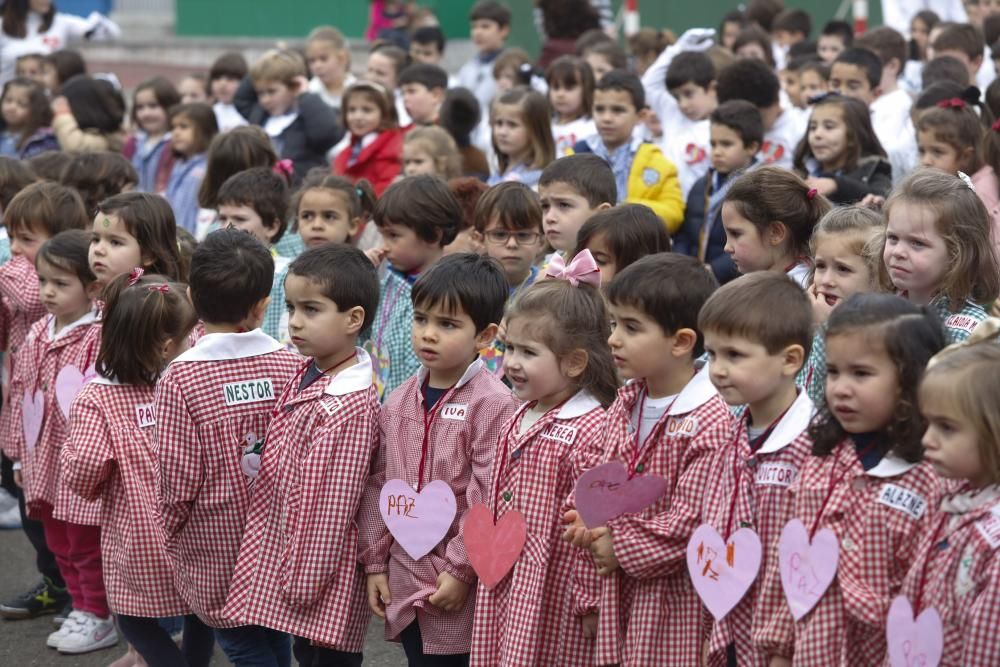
(22, 643)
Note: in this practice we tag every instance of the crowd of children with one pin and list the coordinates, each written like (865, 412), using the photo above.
(677, 359)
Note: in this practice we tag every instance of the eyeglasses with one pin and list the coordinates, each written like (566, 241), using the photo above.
(500, 237)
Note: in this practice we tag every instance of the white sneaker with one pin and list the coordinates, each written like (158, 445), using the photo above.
(93, 634)
(6, 500)
(72, 621)
(10, 518)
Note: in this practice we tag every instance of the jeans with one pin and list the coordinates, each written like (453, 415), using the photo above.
(158, 649)
(255, 646)
(317, 656)
(413, 645)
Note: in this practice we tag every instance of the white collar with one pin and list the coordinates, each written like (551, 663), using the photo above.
(110, 381)
(970, 499)
(698, 391)
(356, 378)
(792, 424)
(88, 318)
(581, 403)
(470, 373)
(221, 346)
(890, 466)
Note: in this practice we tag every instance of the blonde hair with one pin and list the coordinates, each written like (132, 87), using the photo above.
(440, 146)
(328, 34)
(863, 228)
(280, 65)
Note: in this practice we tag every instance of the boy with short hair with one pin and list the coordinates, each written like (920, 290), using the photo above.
(427, 45)
(857, 73)
(791, 27)
(423, 87)
(490, 27)
(297, 569)
(572, 189)
(836, 36)
(737, 132)
(223, 79)
(965, 43)
(643, 175)
(457, 408)
(754, 355)
(213, 405)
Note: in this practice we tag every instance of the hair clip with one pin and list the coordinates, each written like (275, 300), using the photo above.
(159, 287)
(968, 181)
(953, 103)
(284, 168)
(134, 275)
(583, 269)
(359, 192)
(811, 193)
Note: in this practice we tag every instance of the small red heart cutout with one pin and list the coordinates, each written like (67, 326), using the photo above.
(493, 548)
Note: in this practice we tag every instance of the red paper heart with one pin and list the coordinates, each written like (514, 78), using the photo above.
(493, 549)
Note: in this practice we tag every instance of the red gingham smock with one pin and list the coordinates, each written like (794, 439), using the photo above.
(20, 304)
(649, 610)
(528, 619)
(962, 580)
(298, 570)
(877, 545)
(760, 482)
(202, 494)
(108, 457)
(44, 353)
(461, 445)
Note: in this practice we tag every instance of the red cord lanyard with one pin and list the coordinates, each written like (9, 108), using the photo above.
(43, 349)
(835, 481)
(429, 416)
(634, 466)
(305, 367)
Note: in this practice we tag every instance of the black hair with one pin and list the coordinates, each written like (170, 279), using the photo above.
(95, 103)
(793, 20)
(630, 231)
(866, 59)
(690, 66)
(750, 80)
(742, 118)
(427, 75)
(231, 271)
(840, 29)
(490, 10)
(344, 274)
(67, 63)
(465, 282)
(459, 114)
(68, 250)
(425, 205)
(429, 34)
(938, 92)
(263, 191)
(164, 92)
(15, 18)
(806, 49)
(588, 174)
(230, 66)
(15, 175)
(624, 81)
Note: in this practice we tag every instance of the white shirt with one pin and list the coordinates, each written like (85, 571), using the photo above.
(64, 28)
(567, 134)
(780, 141)
(897, 14)
(652, 410)
(894, 129)
(227, 116)
(318, 87)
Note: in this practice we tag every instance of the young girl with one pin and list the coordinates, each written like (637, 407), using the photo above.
(149, 147)
(864, 482)
(937, 251)
(329, 62)
(431, 150)
(954, 570)
(385, 62)
(87, 116)
(376, 143)
(603, 56)
(135, 229)
(571, 94)
(559, 364)
(27, 116)
(522, 136)
(193, 126)
(621, 235)
(769, 215)
(193, 88)
(840, 155)
(55, 361)
(814, 80)
(97, 176)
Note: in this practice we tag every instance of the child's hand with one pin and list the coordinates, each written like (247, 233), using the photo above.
(19, 479)
(603, 551)
(576, 532)
(589, 623)
(872, 201)
(376, 255)
(450, 594)
(60, 106)
(378, 593)
(821, 309)
(778, 661)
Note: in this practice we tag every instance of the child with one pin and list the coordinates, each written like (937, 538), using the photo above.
(791, 27)
(559, 364)
(297, 570)
(489, 27)
(432, 151)
(48, 166)
(840, 156)
(192, 128)
(88, 115)
(223, 80)
(961, 443)
(66, 339)
(26, 118)
(522, 136)
(835, 38)
(965, 43)
(234, 151)
(107, 457)
(864, 482)
(857, 72)
(572, 189)
(603, 56)
(427, 46)
(513, 68)
(301, 127)
(329, 62)
(135, 229)
(193, 88)
(385, 62)
(460, 116)
(97, 176)
(213, 403)
(417, 217)
(571, 94)
(29, 66)
(457, 306)
(814, 80)
(642, 174)
(61, 66)
(620, 236)
(937, 250)
(149, 148)
(791, 82)
(468, 191)
(423, 87)
(769, 215)
(736, 133)
(375, 139)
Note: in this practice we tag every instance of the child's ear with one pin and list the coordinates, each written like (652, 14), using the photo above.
(684, 342)
(273, 230)
(575, 363)
(486, 336)
(754, 147)
(604, 206)
(643, 114)
(793, 357)
(438, 94)
(355, 320)
(776, 233)
(353, 225)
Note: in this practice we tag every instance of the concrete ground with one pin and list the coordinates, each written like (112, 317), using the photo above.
(22, 643)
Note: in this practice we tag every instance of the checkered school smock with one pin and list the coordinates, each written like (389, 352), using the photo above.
(388, 340)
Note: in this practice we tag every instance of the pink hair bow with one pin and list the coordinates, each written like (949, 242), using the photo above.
(159, 287)
(284, 167)
(953, 103)
(134, 275)
(583, 269)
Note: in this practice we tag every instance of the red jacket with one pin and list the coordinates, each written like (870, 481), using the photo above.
(379, 162)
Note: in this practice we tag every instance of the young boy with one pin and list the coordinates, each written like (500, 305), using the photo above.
(223, 80)
(457, 408)
(427, 45)
(857, 73)
(737, 132)
(965, 43)
(836, 36)
(490, 26)
(791, 27)
(643, 175)
(667, 422)
(572, 189)
(418, 218)
(423, 88)
(754, 355)
(297, 568)
(213, 405)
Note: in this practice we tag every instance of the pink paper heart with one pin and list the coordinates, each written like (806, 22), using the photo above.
(722, 571)
(32, 415)
(605, 492)
(807, 568)
(418, 521)
(69, 382)
(913, 643)
(493, 549)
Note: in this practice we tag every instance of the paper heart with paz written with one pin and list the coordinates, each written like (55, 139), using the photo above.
(69, 382)
(418, 521)
(493, 549)
(606, 492)
(32, 415)
(722, 571)
(807, 567)
(913, 642)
